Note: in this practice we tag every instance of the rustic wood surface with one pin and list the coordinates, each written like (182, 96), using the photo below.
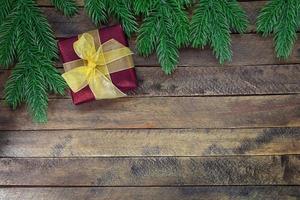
(210, 81)
(149, 142)
(163, 112)
(148, 171)
(208, 131)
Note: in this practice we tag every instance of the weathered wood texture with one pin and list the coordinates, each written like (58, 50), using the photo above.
(154, 193)
(172, 133)
(147, 171)
(203, 81)
(166, 142)
(163, 112)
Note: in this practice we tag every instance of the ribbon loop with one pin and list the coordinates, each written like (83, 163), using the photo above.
(95, 73)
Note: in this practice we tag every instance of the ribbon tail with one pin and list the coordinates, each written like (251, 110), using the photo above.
(103, 88)
(76, 78)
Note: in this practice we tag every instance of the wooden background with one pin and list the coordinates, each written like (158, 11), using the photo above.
(205, 132)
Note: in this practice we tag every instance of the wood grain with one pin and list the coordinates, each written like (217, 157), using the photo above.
(163, 112)
(151, 171)
(171, 133)
(166, 142)
(154, 193)
(210, 81)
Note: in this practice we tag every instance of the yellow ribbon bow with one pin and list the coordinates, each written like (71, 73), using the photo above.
(95, 73)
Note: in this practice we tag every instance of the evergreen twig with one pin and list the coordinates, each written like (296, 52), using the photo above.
(99, 10)
(96, 10)
(68, 7)
(212, 23)
(282, 18)
(164, 29)
(26, 35)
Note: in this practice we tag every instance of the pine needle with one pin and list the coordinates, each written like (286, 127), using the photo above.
(122, 11)
(282, 18)
(164, 29)
(212, 23)
(26, 35)
(96, 10)
(99, 10)
(68, 7)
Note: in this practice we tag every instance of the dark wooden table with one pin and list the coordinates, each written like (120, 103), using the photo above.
(205, 132)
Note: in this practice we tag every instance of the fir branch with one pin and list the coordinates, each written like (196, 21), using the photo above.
(96, 9)
(14, 87)
(7, 40)
(147, 38)
(34, 75)
(211, 24)
(235, 15)
(99, 10)
(143, 7)
(284, 40)
(6, 8)
(43, 33)
(180, 25)
(68, 7)
(35, 93)
(283, 19)
(54, 82)
(164, 30)
(186, 3)
(268, 17)
(122, 11)
(167, 50)
(220, 39)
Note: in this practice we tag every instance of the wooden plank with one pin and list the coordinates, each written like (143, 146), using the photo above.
(194, 81)
(165, 142)
(210, 81)
(151, 171)
(163, 112)
(252, 10)
(151, 193)
(248, 49)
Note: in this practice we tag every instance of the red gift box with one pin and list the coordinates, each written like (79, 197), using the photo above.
(124, 80)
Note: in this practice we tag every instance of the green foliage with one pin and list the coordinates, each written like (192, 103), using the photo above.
(121, 9)
(283, 19)
(212, 23)
(99, 10)
(96, 10)
(165, 27)
(6, 7)
(26, 35)
(68, 7)
(164, 30)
